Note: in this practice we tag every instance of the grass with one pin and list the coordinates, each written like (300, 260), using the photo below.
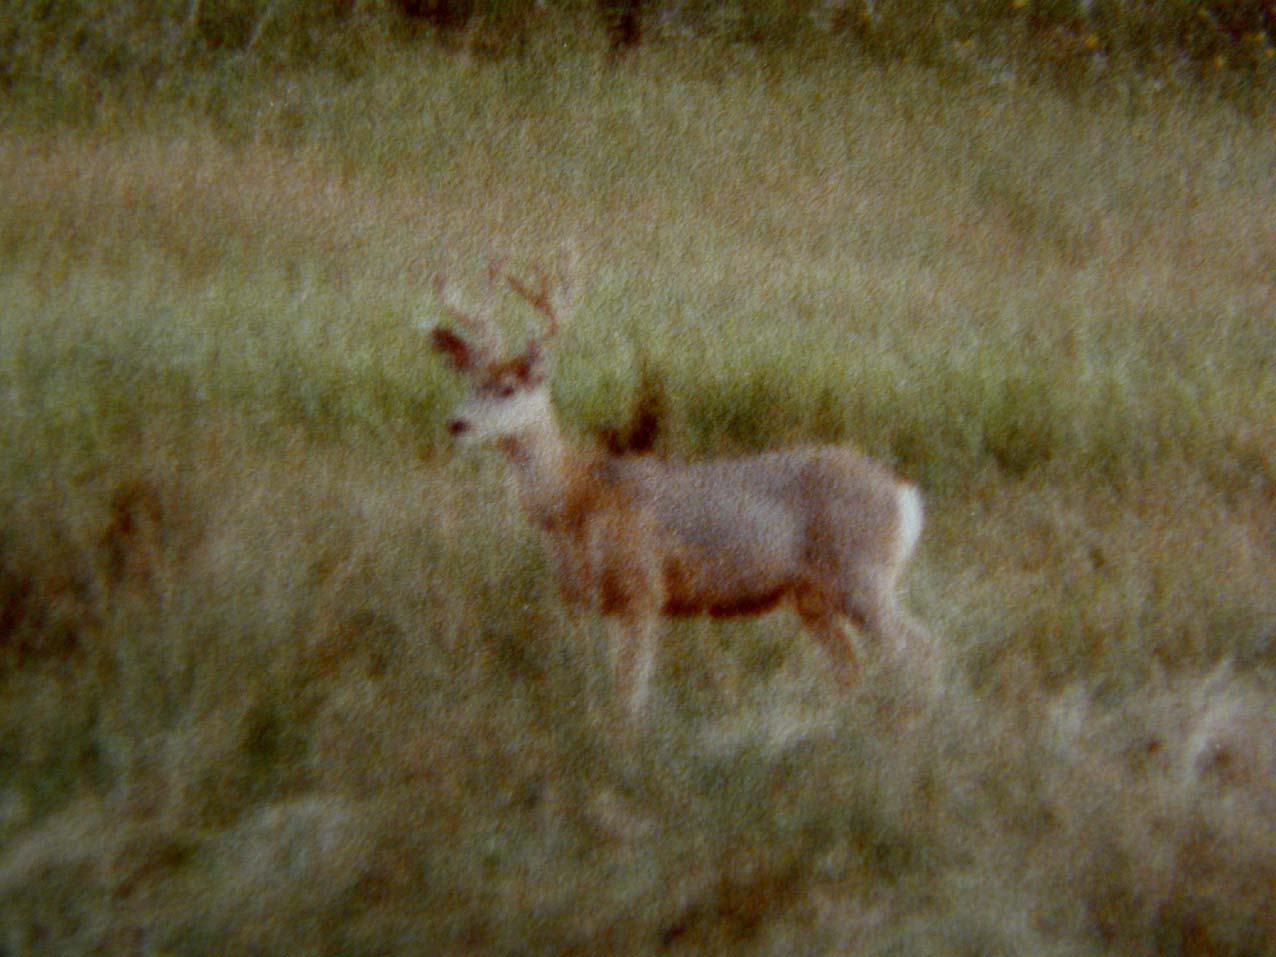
(281, 671)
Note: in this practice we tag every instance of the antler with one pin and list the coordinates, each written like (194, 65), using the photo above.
(541, 298)
(554, 304)
(479, 323)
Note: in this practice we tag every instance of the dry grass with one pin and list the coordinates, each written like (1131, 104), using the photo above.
(279, 672)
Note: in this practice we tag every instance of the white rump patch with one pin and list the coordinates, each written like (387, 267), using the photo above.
(910, 521)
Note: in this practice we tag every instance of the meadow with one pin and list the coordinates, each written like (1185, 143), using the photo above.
(282, 671)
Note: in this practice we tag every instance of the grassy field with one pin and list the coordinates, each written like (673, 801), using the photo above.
(282, 672)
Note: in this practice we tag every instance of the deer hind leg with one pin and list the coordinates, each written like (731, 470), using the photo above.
(873, 606)
(820, 615)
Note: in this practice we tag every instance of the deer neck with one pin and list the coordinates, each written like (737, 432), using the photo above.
(550, 474)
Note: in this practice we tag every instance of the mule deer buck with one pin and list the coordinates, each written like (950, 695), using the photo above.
(640, 538)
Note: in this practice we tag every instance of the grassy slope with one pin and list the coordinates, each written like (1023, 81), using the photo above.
(281, 673)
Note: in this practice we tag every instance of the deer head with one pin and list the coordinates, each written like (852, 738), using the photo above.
(508, 396)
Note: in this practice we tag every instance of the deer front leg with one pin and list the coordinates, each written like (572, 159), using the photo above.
(634, 658)
(630, 593)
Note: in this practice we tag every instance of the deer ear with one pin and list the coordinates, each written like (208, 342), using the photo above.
(454, 347)
(530, 365)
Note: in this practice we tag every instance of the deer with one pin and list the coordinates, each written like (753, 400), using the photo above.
(638, 539)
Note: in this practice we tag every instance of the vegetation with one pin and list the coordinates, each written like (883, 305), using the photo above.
(281, 672)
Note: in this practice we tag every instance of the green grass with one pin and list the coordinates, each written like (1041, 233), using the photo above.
(281, 671)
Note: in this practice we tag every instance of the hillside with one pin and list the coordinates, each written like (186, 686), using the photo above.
(282, 671)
